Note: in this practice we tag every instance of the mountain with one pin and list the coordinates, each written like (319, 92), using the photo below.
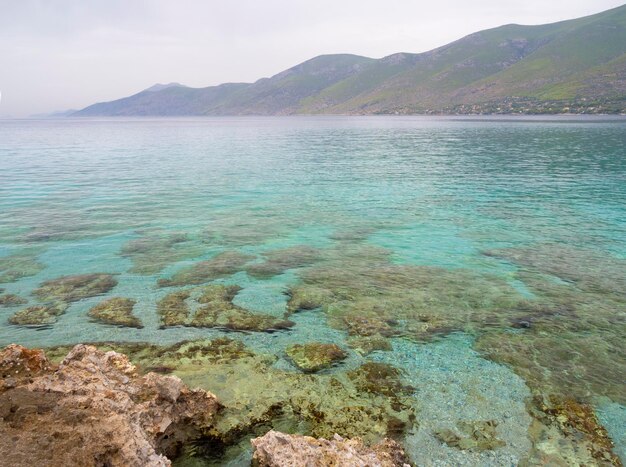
(55, 114)
(576, 66)
(160, 87)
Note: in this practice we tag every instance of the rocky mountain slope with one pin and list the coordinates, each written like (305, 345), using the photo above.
(576, 66)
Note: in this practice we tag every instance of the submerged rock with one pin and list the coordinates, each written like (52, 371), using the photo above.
(10, 299)
(304, 297)
(568, 432)
(276, 449)
(74, 288)
(315, 356)
(15, 267)
(222, 265)
(153, 252)
(93, 410)
(279, 261)
(368, 344)
(219, 311)
(38, 315)
(380, 378)
(117, 311)
(173, 308)
(589, 270)
(476, 436)
(214, 309)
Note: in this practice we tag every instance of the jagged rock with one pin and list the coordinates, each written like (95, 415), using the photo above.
(18, 364)
(276, 449)
(93, 410)
(315, 356)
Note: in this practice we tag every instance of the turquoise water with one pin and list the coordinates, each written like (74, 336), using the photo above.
(503, 239)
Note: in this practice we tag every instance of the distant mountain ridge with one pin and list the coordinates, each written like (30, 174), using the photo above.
(574, 66)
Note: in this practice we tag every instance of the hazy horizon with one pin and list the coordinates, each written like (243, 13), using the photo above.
(71, 54)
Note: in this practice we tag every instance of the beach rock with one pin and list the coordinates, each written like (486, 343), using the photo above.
(18, 364)
(276, 449)
(93, 410)
(117, 311)
(315, 356)
(74, 288)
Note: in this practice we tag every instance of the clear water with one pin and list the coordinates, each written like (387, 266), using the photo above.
(522, 211)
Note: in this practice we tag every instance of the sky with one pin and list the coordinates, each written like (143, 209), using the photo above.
(62, 54)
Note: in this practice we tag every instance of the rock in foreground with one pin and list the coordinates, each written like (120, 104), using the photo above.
(276, 449)
(93, 410)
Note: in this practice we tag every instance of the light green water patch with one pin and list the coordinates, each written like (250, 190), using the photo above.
(310, 235)
(426, 244)
(81, 257)
(266, 296)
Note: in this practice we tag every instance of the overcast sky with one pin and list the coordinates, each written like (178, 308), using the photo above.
(61, 54)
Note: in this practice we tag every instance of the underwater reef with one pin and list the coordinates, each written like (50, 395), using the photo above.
(57, 294)
(373, 402)
(326, 352)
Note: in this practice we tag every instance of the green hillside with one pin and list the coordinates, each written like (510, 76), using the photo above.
(571, 66)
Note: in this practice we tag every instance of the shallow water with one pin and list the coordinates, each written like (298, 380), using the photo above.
(497, 242)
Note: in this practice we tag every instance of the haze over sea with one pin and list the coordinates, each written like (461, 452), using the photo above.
(489, 252)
